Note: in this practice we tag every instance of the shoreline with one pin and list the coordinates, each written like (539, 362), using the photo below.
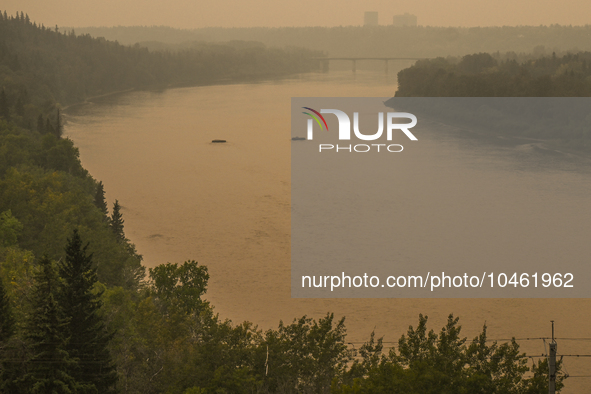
(216, 82)
(89, 99)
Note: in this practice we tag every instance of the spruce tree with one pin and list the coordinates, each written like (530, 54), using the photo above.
(4, 107)
(117, 222)
(100, 201)
(89, 338)
(58, 125)
(48, 127)
(10, 358)
(6, 332)
(6, 318)
(50, 364)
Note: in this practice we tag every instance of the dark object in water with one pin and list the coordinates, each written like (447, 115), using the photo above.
(218, 141)
(298, 139)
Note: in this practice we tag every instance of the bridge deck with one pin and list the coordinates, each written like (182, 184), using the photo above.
(370, 58)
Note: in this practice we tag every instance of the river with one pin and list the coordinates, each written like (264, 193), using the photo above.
(228, 205)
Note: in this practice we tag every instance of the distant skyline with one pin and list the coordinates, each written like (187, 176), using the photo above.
(273, 13)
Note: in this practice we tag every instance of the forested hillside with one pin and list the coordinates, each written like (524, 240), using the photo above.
(485, 75)
(44, 186)
(79, 315)
(42, 66)
(562, 122)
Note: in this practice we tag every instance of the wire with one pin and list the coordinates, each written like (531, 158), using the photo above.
(504, 339)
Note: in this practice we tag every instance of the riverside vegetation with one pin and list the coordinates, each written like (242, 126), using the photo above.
(79, 313)
(561, 122)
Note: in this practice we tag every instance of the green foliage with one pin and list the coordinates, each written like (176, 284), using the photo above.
(49, 365)
(17, 272)
(181, 286)
(116, 222)
(11, 360)
(99, 199)
(306, 355)
(88, 337)
(40, 125)
(195, 390)
(58, 125)
(6, 317)
(50, 205)
(52, 66)
(444, 363)
(42, 181)
(538, 383)
(169, 334)
(482, 75)
(4, 108)
(10, 228)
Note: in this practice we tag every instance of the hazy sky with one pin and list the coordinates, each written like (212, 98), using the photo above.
(239, 13)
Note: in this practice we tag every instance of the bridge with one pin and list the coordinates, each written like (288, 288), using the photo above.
(324, 61)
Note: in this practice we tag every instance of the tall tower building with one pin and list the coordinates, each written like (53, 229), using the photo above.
(370, 19)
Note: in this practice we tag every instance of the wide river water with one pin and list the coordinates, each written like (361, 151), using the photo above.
(228, 205)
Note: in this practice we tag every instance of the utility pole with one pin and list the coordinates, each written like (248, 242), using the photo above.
(552, 364)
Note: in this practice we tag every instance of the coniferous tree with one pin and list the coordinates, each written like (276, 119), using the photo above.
(99, 199)
(48, 127)
(58, 125)
(6, 318)
(50, 364)
(117, 222)
(4, 108)
(89, 338)
(9, 365)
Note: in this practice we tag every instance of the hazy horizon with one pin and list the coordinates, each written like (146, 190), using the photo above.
(306, 13)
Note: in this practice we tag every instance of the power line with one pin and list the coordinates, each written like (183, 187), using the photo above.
(502, 339)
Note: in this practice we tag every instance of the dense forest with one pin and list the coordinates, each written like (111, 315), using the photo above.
(373, 41)
(80, 314)
(42, 66)
(509, 75)
(559, 118)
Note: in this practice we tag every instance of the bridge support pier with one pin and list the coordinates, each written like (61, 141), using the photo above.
(386, 66)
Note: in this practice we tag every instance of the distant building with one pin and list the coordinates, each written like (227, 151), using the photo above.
(404, 20)
(370, 19)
